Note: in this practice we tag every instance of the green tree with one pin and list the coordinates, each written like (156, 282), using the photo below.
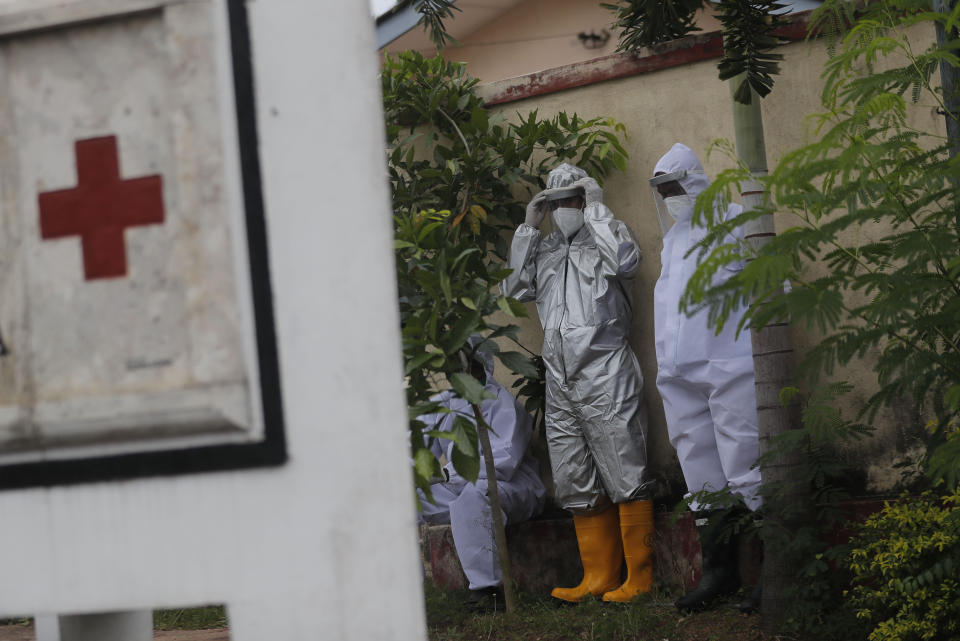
(871, 247)
(459, 179)
(873, 252)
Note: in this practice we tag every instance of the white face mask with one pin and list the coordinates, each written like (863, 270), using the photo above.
(680, 207)
(568, 220)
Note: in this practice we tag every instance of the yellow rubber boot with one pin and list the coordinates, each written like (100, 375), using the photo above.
(601, 551)
(636, 528)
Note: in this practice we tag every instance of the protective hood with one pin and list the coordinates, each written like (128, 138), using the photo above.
(682, 166)
(482, 354)
(681, 158)
(559, 181)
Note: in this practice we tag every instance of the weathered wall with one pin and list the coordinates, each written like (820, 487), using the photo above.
(531, 36)
(687, 103)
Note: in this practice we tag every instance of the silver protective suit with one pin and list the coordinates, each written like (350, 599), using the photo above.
(465, 505)
(596, 420)
(706, 380)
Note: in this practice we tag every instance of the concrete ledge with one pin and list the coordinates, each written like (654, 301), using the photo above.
(544, 551)
(682, 51)
(544, 554)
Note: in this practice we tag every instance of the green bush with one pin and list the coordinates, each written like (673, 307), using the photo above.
(460, 176)
(905, 562)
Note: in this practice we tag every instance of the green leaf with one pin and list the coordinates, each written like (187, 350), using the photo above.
(418, 360)
(519, 364)
(469, 388)
(952, 397)
(461, 331)
(511, 307)
(445, 286)
(465, 455)
(425, 464)
(426, 229)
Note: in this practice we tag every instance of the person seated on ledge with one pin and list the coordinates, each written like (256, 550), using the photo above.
(465, 505)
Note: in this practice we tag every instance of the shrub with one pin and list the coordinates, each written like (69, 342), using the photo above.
(905, 561)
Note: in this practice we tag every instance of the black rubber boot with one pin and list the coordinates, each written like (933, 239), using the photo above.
(718, 551)
(486, 599)
(751, 602)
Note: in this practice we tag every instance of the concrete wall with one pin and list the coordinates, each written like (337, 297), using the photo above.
(687, 103)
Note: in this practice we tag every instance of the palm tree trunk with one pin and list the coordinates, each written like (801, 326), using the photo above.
(950, 81)
(773, 370)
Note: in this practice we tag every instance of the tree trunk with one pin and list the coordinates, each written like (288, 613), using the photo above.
(950, 81)
(499, 532)
(773, 369)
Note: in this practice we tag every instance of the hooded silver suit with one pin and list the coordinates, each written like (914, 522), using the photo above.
(595, 414)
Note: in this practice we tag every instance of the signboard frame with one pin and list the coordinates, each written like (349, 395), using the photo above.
(270, 450)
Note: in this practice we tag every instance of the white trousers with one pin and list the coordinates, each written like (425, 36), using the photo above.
(467, 509)
(711, 413)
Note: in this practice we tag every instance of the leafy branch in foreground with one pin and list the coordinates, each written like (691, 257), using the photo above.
(748, 35)
(432, 16)
(459, 178)
(873, 253)
(447, 151)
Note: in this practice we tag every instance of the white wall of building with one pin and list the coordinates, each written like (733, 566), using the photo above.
(324, 546)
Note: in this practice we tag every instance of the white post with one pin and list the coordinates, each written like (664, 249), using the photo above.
(46, 627)
(319, 544)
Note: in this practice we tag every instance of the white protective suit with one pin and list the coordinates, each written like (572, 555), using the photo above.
(706, 381)
(465, 505)
(596, 419)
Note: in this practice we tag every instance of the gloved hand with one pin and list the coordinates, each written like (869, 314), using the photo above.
(536, 210)
(593, 193)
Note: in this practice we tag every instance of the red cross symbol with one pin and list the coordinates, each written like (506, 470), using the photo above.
(100, 207)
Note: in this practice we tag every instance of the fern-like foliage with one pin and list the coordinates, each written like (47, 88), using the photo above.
(647, 22)
(432, 16)
(872, 249)
(748, 39)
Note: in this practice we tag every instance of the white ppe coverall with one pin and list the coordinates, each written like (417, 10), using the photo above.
(706, 380)
(596, 419)
(465, 505)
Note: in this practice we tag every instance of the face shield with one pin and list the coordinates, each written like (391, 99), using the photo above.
(671, 186)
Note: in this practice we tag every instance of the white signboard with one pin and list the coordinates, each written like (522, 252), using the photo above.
(135, 307)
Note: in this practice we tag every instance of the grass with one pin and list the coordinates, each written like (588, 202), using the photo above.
(652, 618)
(214, 616)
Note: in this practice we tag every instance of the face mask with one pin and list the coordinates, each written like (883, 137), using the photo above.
(680, 207)
(568, 220)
